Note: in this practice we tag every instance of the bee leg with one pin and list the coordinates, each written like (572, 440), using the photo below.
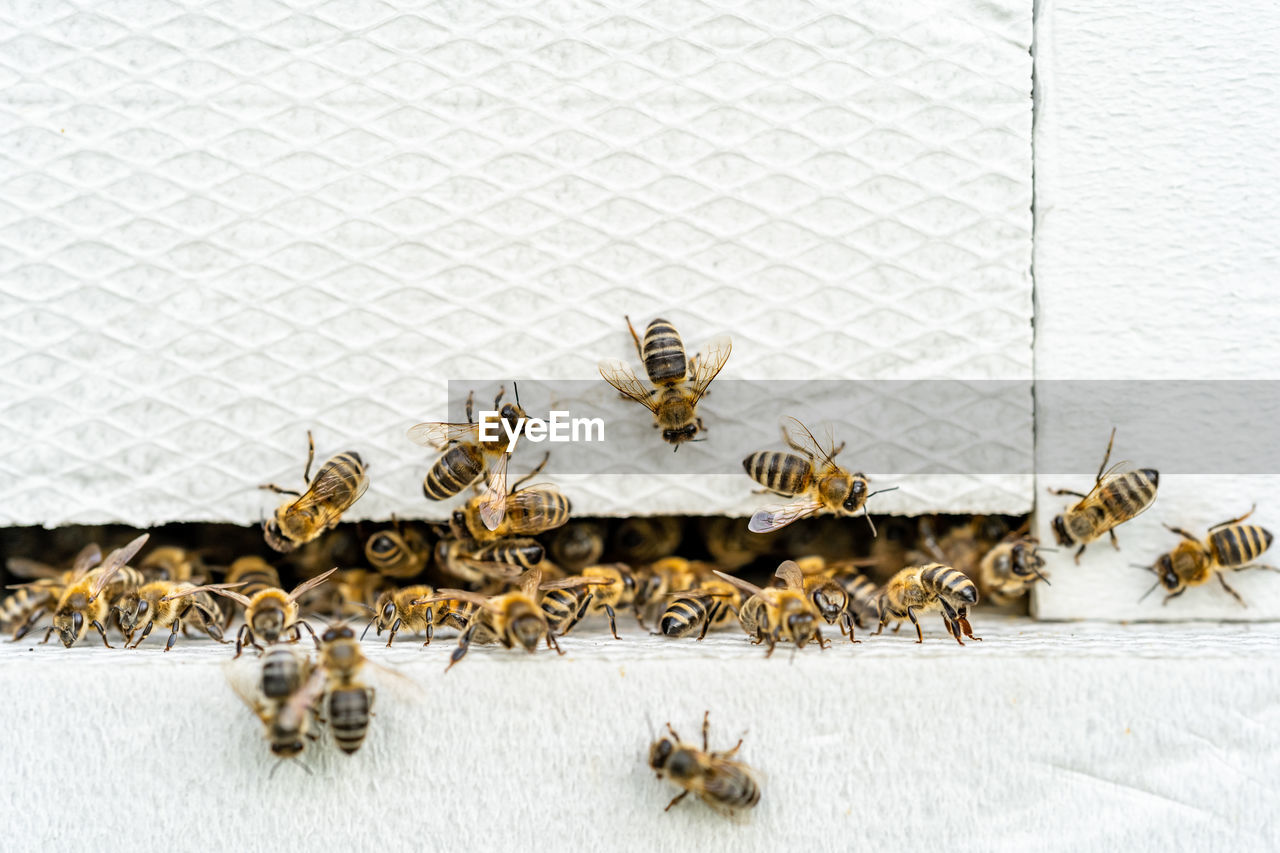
(706, 624)
(1184, 534)
(636, 338)
(613, 622)
(173, 634)
(1106, 457)
(146, 629)
(279, 490)
(464, 643)
(471, 407)
(311, 456)
(1236, 520)
(552, 644)
(951, 619)
(911, 614)
(1172, 595)
(395, 626)
(25, 627)
(706, 728)
(102, 632)
(1223, 580)
(1258, 566)
(497, 401)
(1115, 543)
(47, 635)
(1071, 492)
(728, 754)
(310, 631)
(822, 644)
(965, 626)
(1079, 551)
(678, 797)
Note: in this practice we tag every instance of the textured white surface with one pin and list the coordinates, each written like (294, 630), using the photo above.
(222, 225)
(1157, 236)
(1166, 738)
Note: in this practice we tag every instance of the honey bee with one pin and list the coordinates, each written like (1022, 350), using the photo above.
(645, 539)
(29, 602)
(513, 619)
(284, 671)
(1229, 546)
(406, 609)
(678, 384)
(930, 587)
(813, 477)
(466, 458)
(350, 595)
(576, 544)
(348, 702)
(862, 597)
(88, 597)
(1118, 495)
(710, 604)
(730, 543)
(715, 778)
(657, 580)
(269, 613)
(250, 575)
(830, 600)
(597, 588)
(1010, 568)
(774, 614)
(168, 563)
(287, 721)
(527, 511)
(479, 564)
(338, 484)
(401, 552)
(153, 605)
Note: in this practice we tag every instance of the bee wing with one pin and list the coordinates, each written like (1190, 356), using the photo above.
(441, 435)
(798, 435)
(616, 372)
(459, 594)
(570, 583)
(529, 582)
(492, 569)
(223, 589)
(790, 573)
(90, 555)
(116, 560)
(710, 362)
(319, 497)
(243, 683)
(24, 568)
(305, 586)
(493, 503)
(746, 587)
(776, 517)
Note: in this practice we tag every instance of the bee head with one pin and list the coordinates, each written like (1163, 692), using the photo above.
(286, 748)
(680, 434)
(801, 626)
(275, 537)
(527, 630)
(829, 599)
(857, 494)
(268, 622)
(1060, 531)
(131, 610)
(70, 626)
(337, 632)
(659, 752)
(1164, 572)
(512, 413)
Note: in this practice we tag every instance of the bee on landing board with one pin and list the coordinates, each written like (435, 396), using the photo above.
(1230, 546)
(466, 458)
(1009, 569)
(813, 478)
(596, 589)
(678, 383)
(348, 701)
(774, 614)
(289, 713)
(338, 484)
(931, 587)
(88, 597)
(154, 605)
(1118, 495)
(30, 601)
(716, 778)
(709, 605)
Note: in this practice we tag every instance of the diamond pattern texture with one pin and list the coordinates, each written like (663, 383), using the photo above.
(224, 223)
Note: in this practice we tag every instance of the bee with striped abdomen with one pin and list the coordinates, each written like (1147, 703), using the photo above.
(348, 702)
(269, 613)
(597, 588)
(862, 597)
(28, 602)
(1230, 546)
(813, 477)
(401, 552)
(930, 587)
(1118, 495)
(466, 458)
(678, 382)
(338, 484)
(288, 719)
(152, 606)
(169, 563)
(657, 580)
(715, 778)
(479, 564)
(709, 605)
(88, 597)
(774, 614)
(527, 511)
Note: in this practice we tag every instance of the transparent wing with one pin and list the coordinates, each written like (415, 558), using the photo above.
(800, 438)
(492, 569)
(529, 582)
(24, 568)
(330, 495)
(617, 374)
(791, 574)
(116, 560)
(440, 435)
(746, 587)
(571, 583)
(711, 362)
(304, 587)
(90, 555)
(776, 517)
(454, 594)
(223, 589)
(493, 503)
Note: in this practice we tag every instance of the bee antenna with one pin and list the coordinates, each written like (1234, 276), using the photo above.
(515, 387)
(1046, 550)
(1036, 572)
(370, 625)
(1142, 566)
(878, 491)
(1153, 589)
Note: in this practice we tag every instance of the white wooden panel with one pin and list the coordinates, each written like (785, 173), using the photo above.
(1157, 240)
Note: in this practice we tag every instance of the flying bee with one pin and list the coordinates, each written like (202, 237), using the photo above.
(1010, 568)
(576, 544)
(710, 604)
(29, 601)
(930, 587)
(152, 605)
(1230, 545)
(513, 619)
(1118, 495)
(774, 614)
(715, 778)
(814, 477)
(597, 588)
(287, 721)
(338, 484)
(268, 614)
(88, 597)
(527, 511)
(643, 539)
(678, 383)
(466, 457)
(401, 552)
(284, 671)
(348, 702)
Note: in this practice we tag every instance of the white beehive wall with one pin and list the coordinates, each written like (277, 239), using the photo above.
(1157, 235)
(223, 225)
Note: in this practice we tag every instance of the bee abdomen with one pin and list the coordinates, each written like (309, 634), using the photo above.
(683, 616)
(281, 674)
(1239, 544)
(457, 468)
(525, 553)
(349, 717)
(734, 790)
(664, 356)
(561, 607)
(951, 583)
(780, 472)
(1130, 493)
